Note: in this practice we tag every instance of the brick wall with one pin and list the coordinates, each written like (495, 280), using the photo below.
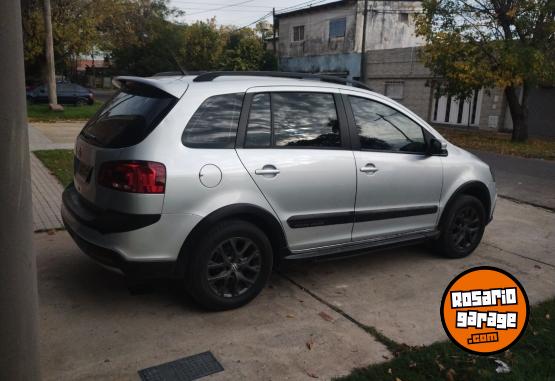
(416, 95)
(492, 114)
(403, 66)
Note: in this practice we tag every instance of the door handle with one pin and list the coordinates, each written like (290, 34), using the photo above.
(267, 170)
(369, 168)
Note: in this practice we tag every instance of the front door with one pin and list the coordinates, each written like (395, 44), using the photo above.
(296, 149)
(398, 185)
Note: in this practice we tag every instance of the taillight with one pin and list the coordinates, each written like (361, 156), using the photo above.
(133, 176)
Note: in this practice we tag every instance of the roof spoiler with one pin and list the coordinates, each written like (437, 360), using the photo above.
(175, 88)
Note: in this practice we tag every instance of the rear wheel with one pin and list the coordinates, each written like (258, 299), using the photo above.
(230, 266)
(80, 102)
(462, 227)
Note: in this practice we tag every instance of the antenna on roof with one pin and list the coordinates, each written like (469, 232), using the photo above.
(181, 69)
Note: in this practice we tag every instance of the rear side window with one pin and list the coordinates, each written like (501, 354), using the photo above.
(292, 119)
(128, 117)
(383, 128)
(214, 124)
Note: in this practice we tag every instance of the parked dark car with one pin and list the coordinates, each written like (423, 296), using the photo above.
(68, 93)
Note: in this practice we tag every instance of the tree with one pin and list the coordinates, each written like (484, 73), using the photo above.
(81, 27)
(243, 50)
(490, 43)
(202, 46)
(51, 71)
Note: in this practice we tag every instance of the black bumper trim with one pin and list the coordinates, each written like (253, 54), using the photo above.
(103, 221)
(132, 269)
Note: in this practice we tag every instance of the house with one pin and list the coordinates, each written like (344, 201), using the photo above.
(328, 39)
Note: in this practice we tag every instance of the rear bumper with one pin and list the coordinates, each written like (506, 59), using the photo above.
(137, 246)
(114, 260)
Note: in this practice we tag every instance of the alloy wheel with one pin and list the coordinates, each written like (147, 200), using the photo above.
(233, 267)
(465, 228)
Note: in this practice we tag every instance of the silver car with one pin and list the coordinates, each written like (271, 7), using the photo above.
(214, 179)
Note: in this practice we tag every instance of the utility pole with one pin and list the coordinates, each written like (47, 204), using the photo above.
(18, 273)
(363, 50)
(51, 72)
(274, 42)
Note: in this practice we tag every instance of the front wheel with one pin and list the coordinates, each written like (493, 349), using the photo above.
(462, 227)
(230, 266)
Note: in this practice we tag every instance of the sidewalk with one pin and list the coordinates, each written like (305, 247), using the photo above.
(47, 197)
(59, 135)
(46, 190)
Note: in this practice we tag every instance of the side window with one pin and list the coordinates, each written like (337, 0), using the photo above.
(214, 124)
(305, 120)
(383, 128)
(298, 33)
(259, 127)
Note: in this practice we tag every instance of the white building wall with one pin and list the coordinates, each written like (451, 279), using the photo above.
(390, 25)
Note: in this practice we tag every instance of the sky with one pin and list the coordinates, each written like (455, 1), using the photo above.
(236, 12)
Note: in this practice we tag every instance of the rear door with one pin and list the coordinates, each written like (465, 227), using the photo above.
(296, 147)
(398, 184)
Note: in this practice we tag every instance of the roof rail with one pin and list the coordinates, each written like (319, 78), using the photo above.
(209, 76)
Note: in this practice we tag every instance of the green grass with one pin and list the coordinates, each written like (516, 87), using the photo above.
(500, 143)
(59, 162)
(532, 358)
(41, 113)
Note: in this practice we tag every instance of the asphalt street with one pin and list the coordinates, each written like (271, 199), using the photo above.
(527, 180)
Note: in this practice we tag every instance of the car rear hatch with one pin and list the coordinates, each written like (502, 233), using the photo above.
(101, 177)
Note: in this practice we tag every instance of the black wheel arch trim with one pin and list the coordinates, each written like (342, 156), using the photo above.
(484, 196)
(257, 215)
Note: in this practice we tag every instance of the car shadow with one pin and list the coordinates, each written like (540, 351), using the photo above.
(80, 280)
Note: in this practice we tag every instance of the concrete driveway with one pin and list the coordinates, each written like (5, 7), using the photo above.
(308, 323)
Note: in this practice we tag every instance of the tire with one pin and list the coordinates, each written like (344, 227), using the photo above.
(80, 102)
(235, 276)
(462, 227)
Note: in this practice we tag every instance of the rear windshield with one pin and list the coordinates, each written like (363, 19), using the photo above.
(128, 117)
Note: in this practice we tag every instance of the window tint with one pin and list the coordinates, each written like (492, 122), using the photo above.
(214, 124)
(128, 117)
(305, 120)
(259, 128)
(383, 128)
(337, 27)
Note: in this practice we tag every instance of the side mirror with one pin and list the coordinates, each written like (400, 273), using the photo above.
(436, 147)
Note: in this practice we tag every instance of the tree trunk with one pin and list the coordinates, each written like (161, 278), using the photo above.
(50, 70)
(519, 112)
